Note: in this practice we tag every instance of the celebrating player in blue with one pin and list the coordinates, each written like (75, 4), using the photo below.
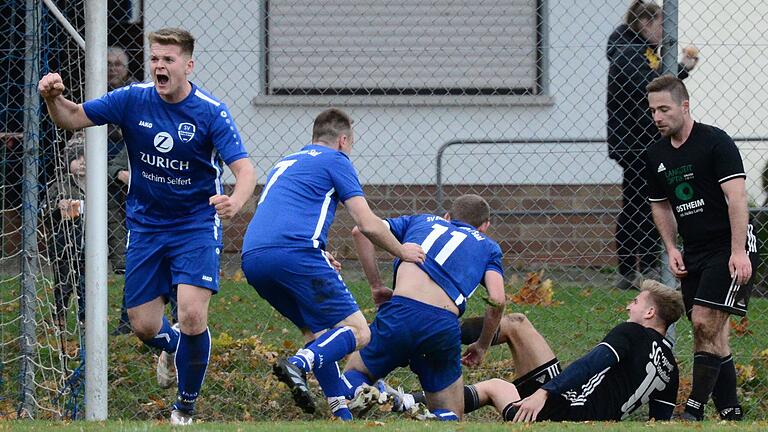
(419, 326)
(177, 136)
(284, 256)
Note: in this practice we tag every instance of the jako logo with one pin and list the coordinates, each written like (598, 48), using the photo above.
(186, 132)
(163, 142)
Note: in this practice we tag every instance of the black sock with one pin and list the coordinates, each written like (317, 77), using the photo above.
(724, 393)
(471, 329)
(509, 411)
(420, 397)
(706, 368)
(471, 399)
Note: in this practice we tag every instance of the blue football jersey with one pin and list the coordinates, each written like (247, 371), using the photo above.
(299, 200)
(175, 153)
(458, 255)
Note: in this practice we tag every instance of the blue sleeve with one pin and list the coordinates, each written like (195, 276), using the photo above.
(494, 263)
(399, 226)
(109, 108)
(225, 137)
(600, 358)
(344, 178)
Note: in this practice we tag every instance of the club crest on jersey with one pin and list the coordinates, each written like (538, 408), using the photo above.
(163, 142)
(186, 132)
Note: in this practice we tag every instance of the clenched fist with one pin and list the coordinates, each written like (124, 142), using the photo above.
(51, 86)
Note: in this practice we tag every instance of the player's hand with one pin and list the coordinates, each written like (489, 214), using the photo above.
(412, 253)
(64, 204)
(474, 355)
(690, 57)
(530, 407)
(331, 259)
(381, 295)
(676, 264)
(740, 267)
(51, 86)
(124, 176)
(226, 207)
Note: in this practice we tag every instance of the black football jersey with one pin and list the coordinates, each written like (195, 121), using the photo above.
(646, 371)
(690, 177)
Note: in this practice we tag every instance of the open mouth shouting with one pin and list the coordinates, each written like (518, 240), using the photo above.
(161, 79)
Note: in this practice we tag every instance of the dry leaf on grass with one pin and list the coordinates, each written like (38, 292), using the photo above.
(535, 291)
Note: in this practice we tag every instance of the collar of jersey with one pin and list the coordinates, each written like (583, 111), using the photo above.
(323, 148)
(191, 93)
(461, 224)
(696, 126)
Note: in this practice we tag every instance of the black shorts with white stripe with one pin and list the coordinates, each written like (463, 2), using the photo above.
(533, 380)
(709, 282)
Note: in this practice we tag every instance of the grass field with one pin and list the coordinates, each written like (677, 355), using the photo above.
(248, 335)
(389, 425)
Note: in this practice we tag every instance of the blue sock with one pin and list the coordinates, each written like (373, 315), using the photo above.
(331, 346)
(355, 379)
(339, 408)
(332, 381)
(167, 339)
(303, 358)
(445, 415)
(191, 364)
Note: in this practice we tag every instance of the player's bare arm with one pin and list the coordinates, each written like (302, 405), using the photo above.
(738, 214)
(475, 352)
(65, 113)
(373, 228)
(667, 227)
(245, 182)
(366, 253)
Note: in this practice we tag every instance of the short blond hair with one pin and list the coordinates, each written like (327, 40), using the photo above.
(667, 301)
(174, 36)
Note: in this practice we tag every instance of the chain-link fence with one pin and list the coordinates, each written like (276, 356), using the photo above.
(504, 98)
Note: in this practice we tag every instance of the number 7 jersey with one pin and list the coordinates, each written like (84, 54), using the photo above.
(458, 255)
(298, 202)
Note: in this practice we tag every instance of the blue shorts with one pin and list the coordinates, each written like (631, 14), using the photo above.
(428, 338)
(301, 284)
(157, 262)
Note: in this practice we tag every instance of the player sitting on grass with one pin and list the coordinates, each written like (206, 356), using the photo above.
(419, 326)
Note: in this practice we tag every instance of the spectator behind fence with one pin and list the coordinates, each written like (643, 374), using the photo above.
(634, 61)
(117, 76)
(64, 212)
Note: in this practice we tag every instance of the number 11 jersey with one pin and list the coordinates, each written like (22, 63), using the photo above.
(458, 255)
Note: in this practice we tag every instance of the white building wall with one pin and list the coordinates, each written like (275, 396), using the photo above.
(398, 144)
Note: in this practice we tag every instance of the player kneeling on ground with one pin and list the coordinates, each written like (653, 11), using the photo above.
(419, 326)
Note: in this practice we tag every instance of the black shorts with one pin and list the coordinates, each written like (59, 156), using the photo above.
(709, 282)
(556, 408)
